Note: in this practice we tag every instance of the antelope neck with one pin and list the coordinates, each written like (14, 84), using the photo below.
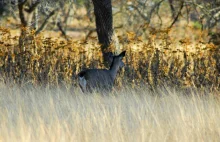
(113, 69)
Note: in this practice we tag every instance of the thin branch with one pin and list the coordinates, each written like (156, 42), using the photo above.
(210, 14)
(178, 14)
(67, 15)
(61, 29)
(45, 21)
(32, 7)
(147, 18)
(90, 32)
(21, 13)
(157, 12)
(204, 10)
(187, 13)
(140, 13)
(172, 8)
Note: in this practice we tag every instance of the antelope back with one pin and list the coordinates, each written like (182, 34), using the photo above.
(101, 78)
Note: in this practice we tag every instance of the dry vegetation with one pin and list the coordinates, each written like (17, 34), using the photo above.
(64, 114)
(157, 61)
(168, 90)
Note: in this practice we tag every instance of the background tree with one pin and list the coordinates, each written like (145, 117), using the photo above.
(104, 21)
(104, 26)
(26, 12)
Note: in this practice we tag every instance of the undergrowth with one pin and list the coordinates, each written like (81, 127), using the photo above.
(155, 61)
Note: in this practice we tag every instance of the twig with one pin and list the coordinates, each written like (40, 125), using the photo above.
(32, 7)
(45, 22)
(90, 32)
(61, 29)
(151, 11)
(172, 8)
(67, 15)
(178, 14)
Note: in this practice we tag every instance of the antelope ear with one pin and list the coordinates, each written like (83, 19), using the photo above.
(122, 54)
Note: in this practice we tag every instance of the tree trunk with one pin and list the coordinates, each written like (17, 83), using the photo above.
(104, 21)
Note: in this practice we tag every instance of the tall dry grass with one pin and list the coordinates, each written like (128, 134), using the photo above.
(65, 114)
(160, 59)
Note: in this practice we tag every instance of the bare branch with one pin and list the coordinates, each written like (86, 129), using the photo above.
(147, 18)
(59, 25)
(45, 21)
(21, 13)
(32, 7)
(211, 15)
(172, 8)
(140, 13)
(178, 14)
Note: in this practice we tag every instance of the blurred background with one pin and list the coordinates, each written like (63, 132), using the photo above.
(78, 20)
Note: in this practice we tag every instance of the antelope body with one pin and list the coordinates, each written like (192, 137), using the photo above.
(101, 79)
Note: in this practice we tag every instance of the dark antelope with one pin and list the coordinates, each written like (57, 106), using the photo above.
(101, 79)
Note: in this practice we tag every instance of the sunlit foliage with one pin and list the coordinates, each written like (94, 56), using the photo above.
(153, 62)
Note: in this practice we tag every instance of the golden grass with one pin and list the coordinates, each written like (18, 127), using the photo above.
(65, 114)
(158, 60)
(40, 100)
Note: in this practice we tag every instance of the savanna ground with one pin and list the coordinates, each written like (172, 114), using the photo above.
(167, 91)
(63, 114)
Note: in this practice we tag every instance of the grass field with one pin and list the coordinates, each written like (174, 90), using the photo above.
(65, 114)
(40, 99)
